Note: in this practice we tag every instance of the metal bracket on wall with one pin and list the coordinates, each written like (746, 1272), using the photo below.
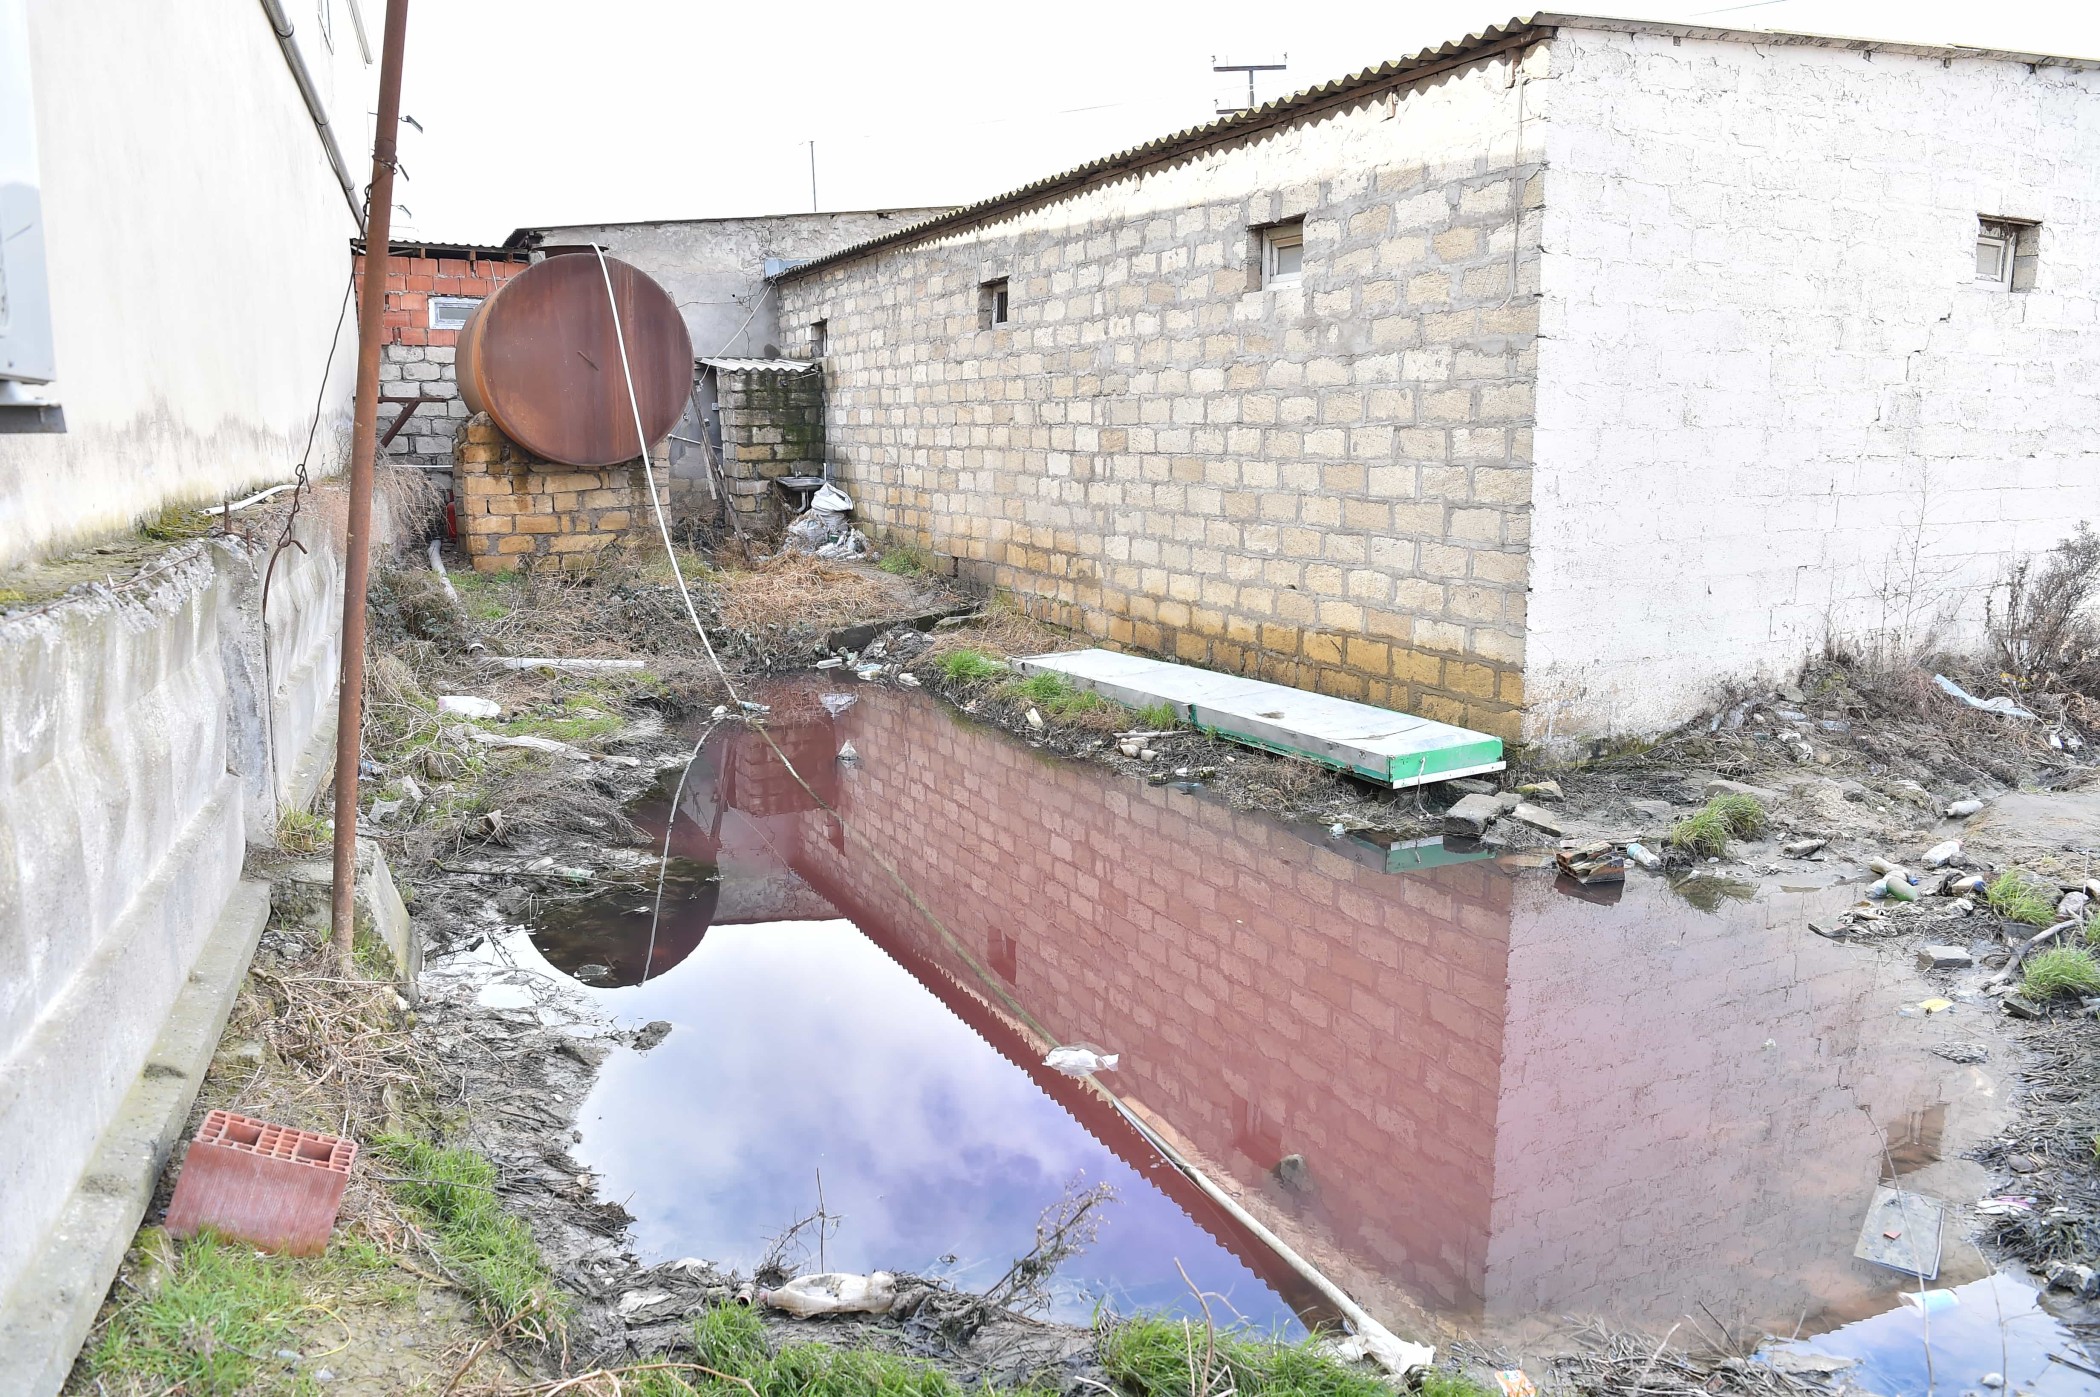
(408, 409)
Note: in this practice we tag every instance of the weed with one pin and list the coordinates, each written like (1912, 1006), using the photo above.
(906, 560)
(11, 596)
(218, 1307)
(731, 1340)
(2016, 897)
(2045, 628)
(302, 832)
(488, 596)
(1158, 717)
(1152, 1358)
(174, 524)
(490, 1249)
(1706, 831)
(968, 666)
(577, 722)
(2065, 970)
(1054, 694)
(1442, 1382)
(1745, 814)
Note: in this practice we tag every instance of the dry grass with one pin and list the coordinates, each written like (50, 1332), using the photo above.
(802, 590)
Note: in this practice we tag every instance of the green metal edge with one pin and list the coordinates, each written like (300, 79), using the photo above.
(1470, 755)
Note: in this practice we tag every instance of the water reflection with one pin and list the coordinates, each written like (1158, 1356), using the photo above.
(1469, 1100)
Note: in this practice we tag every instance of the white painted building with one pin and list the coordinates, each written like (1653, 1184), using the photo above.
(196, 218)
(1608, 362)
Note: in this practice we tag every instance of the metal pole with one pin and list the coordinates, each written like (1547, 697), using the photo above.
(364, 445)
(812, 176)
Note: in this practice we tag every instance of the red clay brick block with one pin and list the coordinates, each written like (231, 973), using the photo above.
(269, 1185)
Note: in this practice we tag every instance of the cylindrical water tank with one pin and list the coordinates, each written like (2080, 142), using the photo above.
(541, 359)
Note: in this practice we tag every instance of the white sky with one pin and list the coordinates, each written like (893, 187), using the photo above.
(537, 112)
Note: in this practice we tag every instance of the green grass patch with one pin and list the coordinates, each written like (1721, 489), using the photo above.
(1442, 1382)
(1158, 717)
(1706, 831)
(218, 1307)
(175, 523)
(1055, 695)
(2063, 971)
(906, 560)
(968, 666)
(2017, 897)
(491, 1250)
(488, 596)
(303, 832)
(577, 722)
(1150, 1358)
(731, 1340)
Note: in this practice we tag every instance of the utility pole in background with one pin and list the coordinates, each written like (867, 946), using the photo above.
(364, 446)
(1218, 65)
(812, 176)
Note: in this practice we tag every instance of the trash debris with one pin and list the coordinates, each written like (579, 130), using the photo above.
(847, 754)
(1081, 1060)
(1940, 855)
(1643, 855)
(1971, 886)
(2005, 1206)
(1594, 861)
(908, 680)
(564, 666)
(830, 662)
(535, 744)
(835, 704)
(1902, 1232)
(2000, 705)
(2072, 907)
(834, 1293)
(1802, 848)
(468, 706)
(1944, 958)
(1542, 790)
(2020, 1008)
(1931, 1301)
(1963, 808)
(1388, 1351)
(2069, 1275)
(1900, 886)
(1965, 1054)
(1035, 719)
(1514, 1382)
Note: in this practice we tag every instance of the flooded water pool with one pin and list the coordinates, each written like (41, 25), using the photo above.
(1476, 1098)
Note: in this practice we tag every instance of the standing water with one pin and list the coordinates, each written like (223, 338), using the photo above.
(1475, 1098)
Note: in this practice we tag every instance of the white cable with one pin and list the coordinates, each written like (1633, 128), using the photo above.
(641, 438)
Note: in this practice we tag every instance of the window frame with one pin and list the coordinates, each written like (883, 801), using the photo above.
(819, 337)
(1275, 237)
(995, 303)
(472, 303)
(2007, 236)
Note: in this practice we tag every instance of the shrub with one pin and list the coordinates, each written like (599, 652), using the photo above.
(2063, 971)
(2018, 897)
(968, 666)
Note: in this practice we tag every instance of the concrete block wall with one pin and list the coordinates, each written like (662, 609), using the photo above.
(515, 509)
(134, 769)
(1769, 376)
(1325, 483)
(772, 425)
(1269, 996)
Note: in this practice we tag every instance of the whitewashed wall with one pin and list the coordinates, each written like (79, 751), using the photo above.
(198, 246)
(1766, 367)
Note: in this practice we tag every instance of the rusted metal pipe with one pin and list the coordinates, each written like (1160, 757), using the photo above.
(364, 445)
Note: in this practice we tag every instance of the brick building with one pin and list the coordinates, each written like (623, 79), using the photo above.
(431, 289)
(1539, 382)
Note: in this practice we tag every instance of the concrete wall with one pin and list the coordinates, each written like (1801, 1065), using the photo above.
(714, 267)
(197, 242)
(134, 769)
(772, 425)
(1767, 373)
(1325, 484)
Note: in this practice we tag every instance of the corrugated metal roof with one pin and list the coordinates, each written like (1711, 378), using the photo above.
(762, 366)
(1516, 33)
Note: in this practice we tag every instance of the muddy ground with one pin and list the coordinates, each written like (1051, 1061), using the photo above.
(486, 819)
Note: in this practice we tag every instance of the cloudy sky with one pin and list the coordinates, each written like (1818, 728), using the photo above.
(535, 112)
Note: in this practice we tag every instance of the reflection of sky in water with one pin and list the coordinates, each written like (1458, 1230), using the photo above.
(1987, 1326)
(800, 1046)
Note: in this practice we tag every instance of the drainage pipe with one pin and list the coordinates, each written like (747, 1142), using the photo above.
(281, 24)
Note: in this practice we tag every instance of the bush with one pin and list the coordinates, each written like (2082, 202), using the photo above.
(1706, 832)
(968, 666)
(2018, 897)
(2063, 971)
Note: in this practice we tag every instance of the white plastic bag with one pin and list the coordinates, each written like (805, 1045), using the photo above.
(834, 1293)
(830, 497)
(468, 706)
(1081, 1060)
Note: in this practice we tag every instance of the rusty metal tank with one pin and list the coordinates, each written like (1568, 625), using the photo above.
(540, 358)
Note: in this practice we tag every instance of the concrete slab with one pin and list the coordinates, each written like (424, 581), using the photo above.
(1396, 749)
(46, 1317)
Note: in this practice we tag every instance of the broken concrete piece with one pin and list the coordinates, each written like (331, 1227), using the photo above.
(1654, 809)
(1962, 808)
(1802, 848)
(535, 744)
(2021, 1008)
(1472, 815)
(1940, 855)
(1471, 786)
(1944, 958)
(1764, 794)
(1542, 790)
(1538, 819)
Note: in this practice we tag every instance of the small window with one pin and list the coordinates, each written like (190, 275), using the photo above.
(451, 312)
(2006, 249)
(819, 332)
(324, 11)
(993, 304)
(1282, 253)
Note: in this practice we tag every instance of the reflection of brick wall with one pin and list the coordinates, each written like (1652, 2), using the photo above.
(772, 425)
(513, 506)
(1208, 948)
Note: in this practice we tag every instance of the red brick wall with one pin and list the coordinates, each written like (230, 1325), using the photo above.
(1269, 996)
(412, 281)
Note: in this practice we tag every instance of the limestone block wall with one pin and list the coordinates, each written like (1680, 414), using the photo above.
(515, 509)
(1324, 482)
(1769, 376)
(772, 425)
(135, 763)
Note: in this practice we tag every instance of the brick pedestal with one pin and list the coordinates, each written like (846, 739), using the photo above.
(516, 509)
